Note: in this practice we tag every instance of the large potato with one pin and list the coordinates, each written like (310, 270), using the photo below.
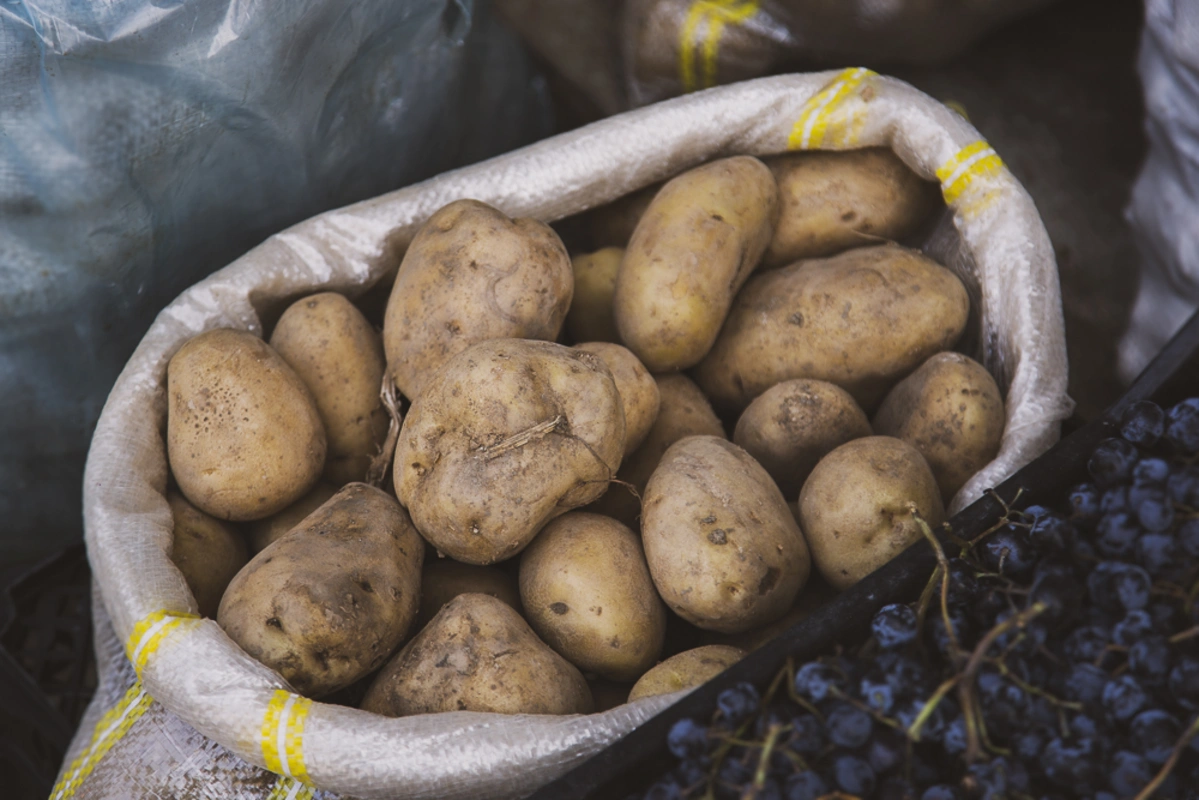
(591, 318)
(244, 437)
(815, 595)
(638, 392)
(478, 655)
(331, 600)
(951, 411)
(861, 320)
(207, 551)
(682, 411)
(339, 356)
(830, 201)
(443, 579)
(791, 426)
(587, 592)
(722, 546)
(508, 435)
(685, 670)
(472, 274)
(855, 507)
(261, 532)
(695, 246)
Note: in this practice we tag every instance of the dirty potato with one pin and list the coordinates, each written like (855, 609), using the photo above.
(791, 426)
(495, 663)
(856, 506)
(339, 356)
(330, 601)
(587, 592)
(861, 320)
(686, 670)
(262, 532)
(952, 412)
(472, 274)
(695, 246)
(722, 546)
(832, 201)
(591, 318)
(508, 435)
(638, 392)
(244, 437)
(207, 551)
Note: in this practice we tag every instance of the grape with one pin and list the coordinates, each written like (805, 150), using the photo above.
(954, 739)
(1151, 470)
(1084, 501)
(807, 737)
(1184, 682)
(814, 680)
(1155, 512)
(1157, 553)
(1082, 725)
(1117, 534)
(905, 675)
(1123, 697)
(894, 626)
(1117, 586)
(1188, 537)
(805, 785)
(877, 692)
(1009, 551)
(687, 739)
(1086, 643)
(665, 789)
(854, 776)
(738, 703)
(1114, 499)
(1129, 774)
(941, 791)
(1154, 733)
(1143, 423)
(848, 726)
(885, 751)
(963, 587)
(1149, 659)
(895, 788)
(1182, 425)
(1183, 486)
(1112, 462)
(1085, 683)
(1051, 533)
(1135, 626)
(1071, 765)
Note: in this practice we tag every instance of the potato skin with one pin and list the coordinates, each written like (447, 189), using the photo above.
(831, 201)
(685, 670)
(244, 438)
(695, 246)
(815, 595)
(207, 551)
(854, 507)
(510, 434)
(723, 548)
(339, 356)
(791, 426)
(861, 320)
(590, 318)
(638, 392)
(496, 663)
(331, 600)
(472, 274)
(261, 532)
(950, 409)
(682, 411)
(443, 579)
(588, 594)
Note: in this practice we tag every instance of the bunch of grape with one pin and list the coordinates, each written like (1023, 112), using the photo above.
(1054, 656)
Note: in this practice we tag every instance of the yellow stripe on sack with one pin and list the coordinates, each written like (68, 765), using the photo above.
(817, 115)
(717, 14)
(969, 164)
(150, 632)
(283, 734)
(290, 789)
(115, 723)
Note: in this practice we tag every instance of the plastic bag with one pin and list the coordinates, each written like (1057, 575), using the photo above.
(992, 237)
(144, 144)
(1165, 198)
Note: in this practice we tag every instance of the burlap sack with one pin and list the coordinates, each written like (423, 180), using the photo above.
(193, 671)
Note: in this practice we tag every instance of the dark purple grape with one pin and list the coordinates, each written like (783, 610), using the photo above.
(1072, 764)
(1086, 643)
(906, 676)
(1163, 616)
(805, 785)
(1114, 499)
(1157, 553)
(1030, 744)
(1154, 734)
(941, 791)
(1061, 595)
(1135, 626)
(1132, 585)
(1130, 773)
(895, 787)
(665, 789)
(848, 726)
(854, 776)
(1149, 659)
(1151, 470)
(691, 773)
(1116, 586)
(1182, 425)
(876, 692)
(1155, 512)
(1009, 551)
(1116, 534)
(955, 739)
(1184, 682)
(1123, 698)
(738, 703)
(1082, 725)
(807, 735)
(1112, 461)
(963, 587)
(1085, 683)
(687, 739)
(885, 751)
(935, 625)
(1183, 486)
(1051, 533)
(1188, 537)
(1143, 423)
(895, 626)
(1084, 501)
(815, 680)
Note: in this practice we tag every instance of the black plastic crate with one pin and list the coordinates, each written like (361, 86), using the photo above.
(47, 669)
(635, 761)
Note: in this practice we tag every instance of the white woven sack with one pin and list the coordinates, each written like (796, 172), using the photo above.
(996, 242)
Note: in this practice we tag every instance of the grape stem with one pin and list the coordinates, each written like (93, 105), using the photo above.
(943, 564)
(1164, 772)
(764, 758)
(1189, 633)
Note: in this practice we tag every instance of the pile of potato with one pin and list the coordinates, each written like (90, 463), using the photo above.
(571, 526)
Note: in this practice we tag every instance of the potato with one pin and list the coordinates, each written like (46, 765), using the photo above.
(339, 356)
(722, 547)
(472, 274)
(686, 670)
(244, 438)
(508, 435)
(815, 595)
(639, 394)
(791, 426)
(262, 532)
(697, 243)
(331, 600)
(861, 320)
(478, 655)
(829, 202)
(444, 579)
(951, 411)
(588, 594)
(207, 551)
(855, 507)
(591, 318)
(682, 411)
